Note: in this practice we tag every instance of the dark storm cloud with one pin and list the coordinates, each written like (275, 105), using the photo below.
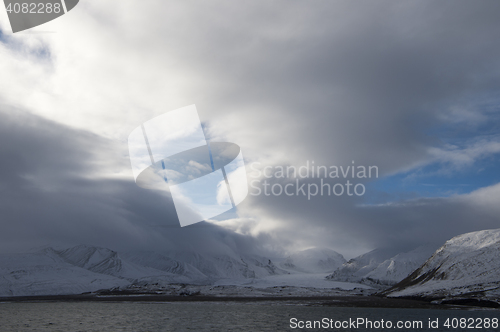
(48, 189)
(343, 81)
(53, 193)
(339, 81)
(347, 225)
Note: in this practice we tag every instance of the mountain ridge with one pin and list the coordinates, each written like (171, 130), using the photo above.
(465, 266)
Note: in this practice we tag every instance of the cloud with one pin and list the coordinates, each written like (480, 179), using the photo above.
(288, 82)
(352, 228)
(468, 155)
(53, 193)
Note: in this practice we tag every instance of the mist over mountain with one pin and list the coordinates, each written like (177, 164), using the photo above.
(314, 260)
(382, 267)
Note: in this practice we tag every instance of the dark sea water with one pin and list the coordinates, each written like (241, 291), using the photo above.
(224, 316)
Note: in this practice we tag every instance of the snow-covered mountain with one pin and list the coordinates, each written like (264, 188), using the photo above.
(104, 261)
(314, 260)
(466, 265)
(384, 267)
(86, 269)
(397, 268)
(163, 262)
(198, 266)
(45, 273)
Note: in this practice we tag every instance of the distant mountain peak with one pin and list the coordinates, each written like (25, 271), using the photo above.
(466, 265)
(382, 266)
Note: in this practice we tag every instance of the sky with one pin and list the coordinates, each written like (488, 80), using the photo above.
(410, 87)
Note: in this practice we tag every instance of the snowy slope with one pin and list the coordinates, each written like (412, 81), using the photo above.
(85, 269)
(357, 268)
(312, 280)
(395, 269)
(229, 266)
(465, 264)
(384, 267)
(43, 274)
(162, 262)
(104, 261)
(314, 260)
(74, 271)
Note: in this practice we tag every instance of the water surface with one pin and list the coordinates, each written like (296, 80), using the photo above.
(212, 316)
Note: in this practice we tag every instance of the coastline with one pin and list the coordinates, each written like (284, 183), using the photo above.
(334, 301)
